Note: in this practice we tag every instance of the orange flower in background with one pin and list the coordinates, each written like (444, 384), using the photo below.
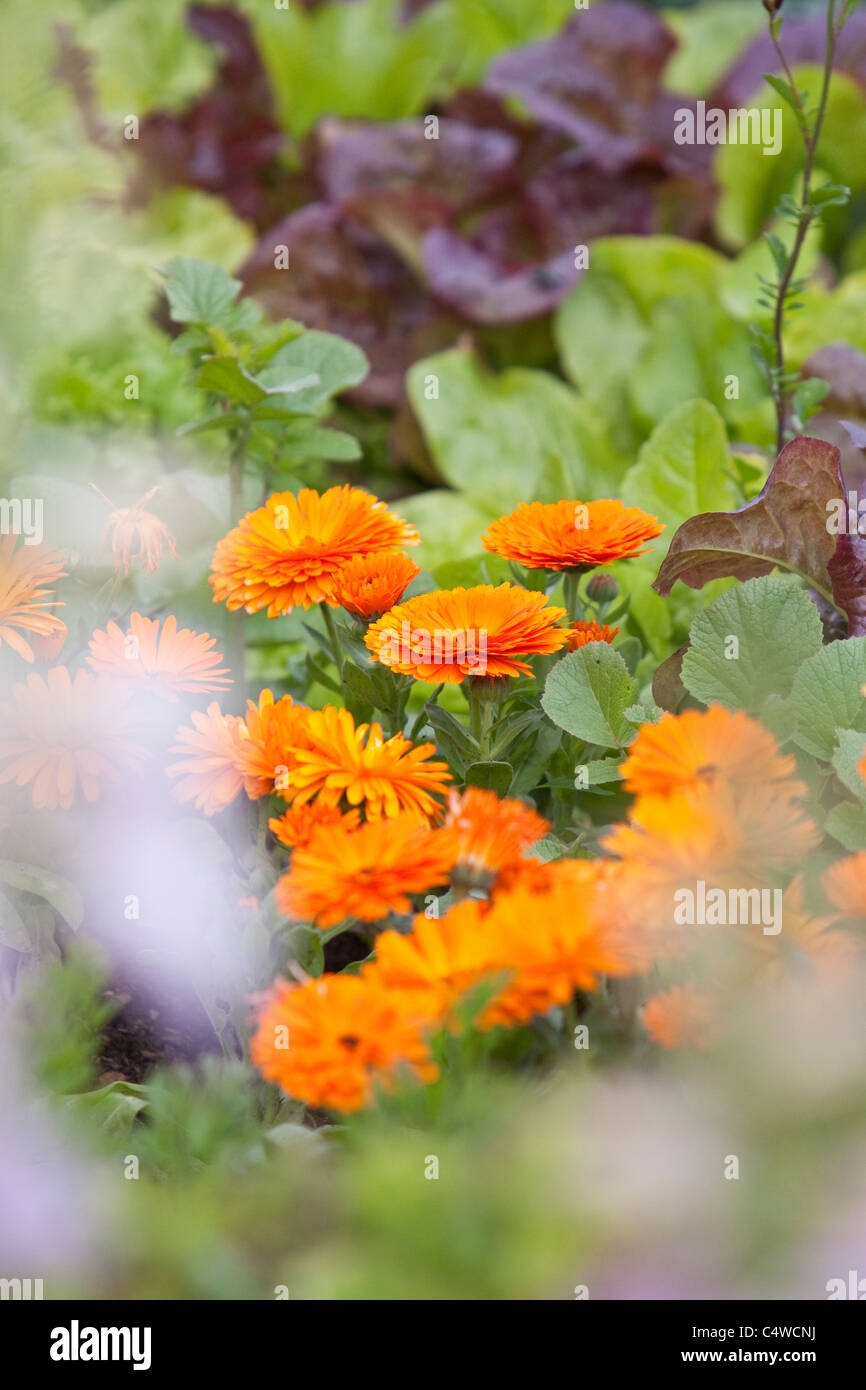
(681, 1016)
(211, 756)
(270, 732)
(585, 876)
(295, 827)
(845, 885)
(27, 576)
(551, 948)
(288, 552)
(65, 734)
(453, 633)
(332, 1040)
(163, 663)
(716, 832)
(136, 534)
(437, 962)
(371, 584)
(807, 944)
(364, 873)
(703, 748)
(582, 633)
(571, 535)
(491, 833)
(336, 759)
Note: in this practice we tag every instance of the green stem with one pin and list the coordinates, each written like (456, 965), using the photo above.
(235, 646)
(571, 594)
(334, 640)
(481, 719)
(806, 216)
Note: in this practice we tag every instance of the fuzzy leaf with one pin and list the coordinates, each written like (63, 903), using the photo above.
(776, 627)
(827, 695)
(587, 694)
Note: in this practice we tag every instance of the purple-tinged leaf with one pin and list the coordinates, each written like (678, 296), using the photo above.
(786, 526)
(599, 82)
(667, 687)
(463, 167)
(227, 142)
(847, 570)
(475, 285)
(344, 279)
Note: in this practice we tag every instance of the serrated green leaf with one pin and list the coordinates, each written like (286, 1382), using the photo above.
(749, 643)
(827, 695)
(847, 824)
(587, 694)
(198, 291)
(847, 759)
(225, 377)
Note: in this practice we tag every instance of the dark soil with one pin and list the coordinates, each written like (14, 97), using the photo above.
(149, 1030)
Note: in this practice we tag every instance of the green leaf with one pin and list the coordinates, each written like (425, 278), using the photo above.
(753, 184)
(494, 777)
(648, 330)
(336, 364)
(827, 695)
(785, 90)
(198, 291)
(774, 626)
(502, 436)
(601, 771)
(847, 824)
(226, 377)
(643, 714)
(846, 761)
(307, 949)
(587, 694)
(63, 896)
(113, 1107)
(684, 467)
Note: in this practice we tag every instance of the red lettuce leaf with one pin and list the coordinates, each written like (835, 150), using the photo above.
(785, 526)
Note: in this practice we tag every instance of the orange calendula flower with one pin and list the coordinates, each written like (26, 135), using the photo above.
(371, 584)
(331, 1041)
(806, 944)
(571, 535)
(334, 759)
(681, 1016)
(437, 962)
(582, 633)
(551, 949)
(136, 534)
(703, 748)
(845, 885)
(492, 832)
(163, 663)
(295, 827)
(210, 765)
(27, 575)
(64, 734)
(288, 552)
(364, 873)
(453, 633)
(270, 732)
(716, 832)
